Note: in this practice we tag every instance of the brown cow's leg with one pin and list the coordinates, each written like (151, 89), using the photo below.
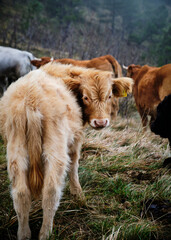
(114, 108)
(152, 120)
(144, 117)
(145, 121)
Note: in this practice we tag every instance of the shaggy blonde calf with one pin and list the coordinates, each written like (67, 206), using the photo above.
(104, 63)
(41, 123)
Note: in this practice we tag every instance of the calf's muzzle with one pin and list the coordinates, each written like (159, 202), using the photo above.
(99, 123)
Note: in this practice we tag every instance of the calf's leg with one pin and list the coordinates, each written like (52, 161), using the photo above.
(18, 169)
(75, 187)
(55, 171)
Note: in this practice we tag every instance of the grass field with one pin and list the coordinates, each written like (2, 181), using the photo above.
(127, 190)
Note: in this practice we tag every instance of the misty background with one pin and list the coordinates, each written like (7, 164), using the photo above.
(133, 31)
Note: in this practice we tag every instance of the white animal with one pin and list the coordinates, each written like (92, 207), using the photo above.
(14, 64)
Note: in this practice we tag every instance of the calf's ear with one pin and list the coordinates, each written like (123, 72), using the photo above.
(74, 80)
(73, 84)
(122, 86)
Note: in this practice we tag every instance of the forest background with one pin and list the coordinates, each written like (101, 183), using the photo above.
(133, 31)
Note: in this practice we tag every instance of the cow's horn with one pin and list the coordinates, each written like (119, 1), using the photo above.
(124, 67)
(37, 59)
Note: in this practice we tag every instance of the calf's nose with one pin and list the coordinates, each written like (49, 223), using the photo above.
(99, 123)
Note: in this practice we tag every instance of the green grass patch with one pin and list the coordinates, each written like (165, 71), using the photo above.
(120, 172)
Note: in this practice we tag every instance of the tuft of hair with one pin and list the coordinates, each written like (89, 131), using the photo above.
(34, 145)
(34, 136)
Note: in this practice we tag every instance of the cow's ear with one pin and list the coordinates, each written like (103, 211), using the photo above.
(132, 68)
(122, 86)
(73, 84)
(74, 79)
(36, 63)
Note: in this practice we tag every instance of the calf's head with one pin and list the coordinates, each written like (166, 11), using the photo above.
(94, 91)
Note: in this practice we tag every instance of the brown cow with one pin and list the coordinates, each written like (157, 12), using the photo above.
(151, 85)
(41, 122)
(104, 63)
